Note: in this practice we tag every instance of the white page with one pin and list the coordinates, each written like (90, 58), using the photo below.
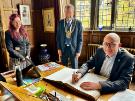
(127, 95)
(89, 77)
(65, 75)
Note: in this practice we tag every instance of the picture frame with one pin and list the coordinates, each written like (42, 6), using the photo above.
(24, 11)
(48, 20)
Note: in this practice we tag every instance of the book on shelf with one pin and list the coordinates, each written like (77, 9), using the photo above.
(64, 76)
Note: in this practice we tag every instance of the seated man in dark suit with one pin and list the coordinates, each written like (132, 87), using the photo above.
(111, 61)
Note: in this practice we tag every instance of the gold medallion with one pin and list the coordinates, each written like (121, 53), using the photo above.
(70, 30)
(68, 34)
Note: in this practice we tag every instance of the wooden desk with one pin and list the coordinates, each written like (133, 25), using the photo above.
(24, 95)
(20, 93)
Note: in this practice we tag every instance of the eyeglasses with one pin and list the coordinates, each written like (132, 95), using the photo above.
(110, 45)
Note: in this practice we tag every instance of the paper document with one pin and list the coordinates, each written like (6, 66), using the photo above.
(65, 76)
(127, 95)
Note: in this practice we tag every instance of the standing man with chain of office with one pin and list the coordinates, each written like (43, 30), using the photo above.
(69, 38)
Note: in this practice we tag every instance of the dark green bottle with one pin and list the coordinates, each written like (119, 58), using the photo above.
(19, 78)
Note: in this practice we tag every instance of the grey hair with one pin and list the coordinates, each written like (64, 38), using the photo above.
(114, 36)
(69, 6)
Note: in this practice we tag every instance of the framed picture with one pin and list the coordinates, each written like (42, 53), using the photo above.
(48, 20)
(25, 14)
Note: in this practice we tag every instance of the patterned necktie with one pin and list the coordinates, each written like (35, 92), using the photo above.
(68, 24)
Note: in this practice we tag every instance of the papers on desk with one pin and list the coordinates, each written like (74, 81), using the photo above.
(37, 91)
(30, 80)
(64, 76)
(48, 66)
(127, 95)
(33, 89)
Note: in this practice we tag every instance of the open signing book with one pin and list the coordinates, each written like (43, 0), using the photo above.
(65, 76)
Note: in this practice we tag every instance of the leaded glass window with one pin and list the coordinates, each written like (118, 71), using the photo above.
(105, 7)
(125, 16)
(83, 12)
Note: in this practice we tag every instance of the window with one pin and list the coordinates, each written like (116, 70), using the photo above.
(106, 14)
(125, 17)
(105, 7)
(83, 12)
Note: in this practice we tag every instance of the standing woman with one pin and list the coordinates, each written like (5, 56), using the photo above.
(17, 41)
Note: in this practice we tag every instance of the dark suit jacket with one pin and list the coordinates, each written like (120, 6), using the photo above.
(76, 37)
(12, 43)
(121, 73)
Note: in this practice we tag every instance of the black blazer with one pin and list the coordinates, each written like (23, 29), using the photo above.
(11, 43)
(121, 73)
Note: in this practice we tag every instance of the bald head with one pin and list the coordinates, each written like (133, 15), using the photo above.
(115, 37)
(111, 44)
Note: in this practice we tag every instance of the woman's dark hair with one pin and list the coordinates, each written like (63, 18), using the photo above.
(14, 34)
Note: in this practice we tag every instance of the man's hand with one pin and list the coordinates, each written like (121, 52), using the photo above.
(59, 52)
(76, 77)
(77, 55)
(90, 86)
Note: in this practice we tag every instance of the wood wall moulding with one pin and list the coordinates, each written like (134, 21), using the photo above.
(10, 9)
(6, 3)
(126, 37)
(37, 21)
(95, 39)
(29, 28)
(85, 39)
(126, 41)
(10, 6)
(5, 19)
(31, 38)
(134, 42)
(82, 58)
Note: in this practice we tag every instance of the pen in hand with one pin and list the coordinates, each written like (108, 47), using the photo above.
(76, 77)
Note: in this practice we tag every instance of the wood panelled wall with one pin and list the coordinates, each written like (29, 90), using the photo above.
(127, 38)
(8, 7)
(50, 38)
(38, 36)
(96, 37)
(46, 37)
(35, 30)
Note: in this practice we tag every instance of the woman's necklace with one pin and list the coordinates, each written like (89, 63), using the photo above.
(70, 30)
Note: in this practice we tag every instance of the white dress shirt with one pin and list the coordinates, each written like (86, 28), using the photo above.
(107, 65)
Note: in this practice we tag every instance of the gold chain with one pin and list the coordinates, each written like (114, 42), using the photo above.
(69, 32)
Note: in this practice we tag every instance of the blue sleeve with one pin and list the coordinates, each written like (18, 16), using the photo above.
(58, 36)
(79, 38)
(89, 64)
